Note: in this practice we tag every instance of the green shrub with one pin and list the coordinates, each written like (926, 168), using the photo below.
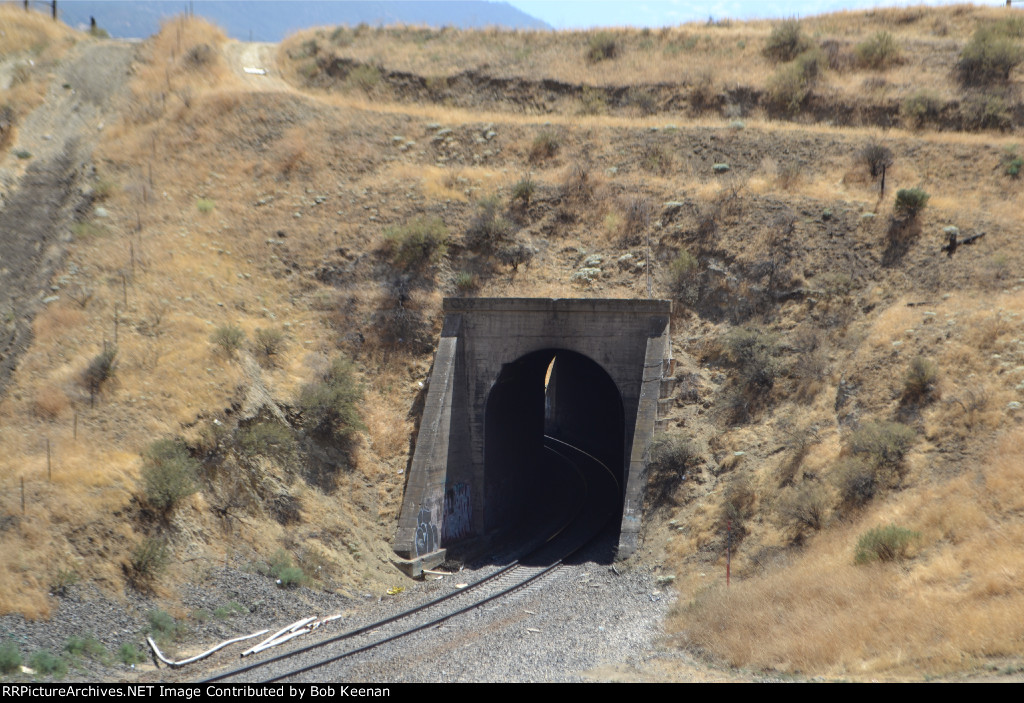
(466, 281)
(417, 244)
(87, 646)
(878, 52)
(10, 658)
(910, 202)
(601, 46)
(545, 145)
(989, 56)
(168, 473)
(753, 353)
(205, 205)
(920, 108)
(882, 444)
(130, 655)
(856, 480)
(364, 77)
(1012, 162)
(889, 543)
(163, 627)
(148, 560)
(284, 571)
(268, 342)
(266, 439)
(986, 112)
(919, 383)
(489, 228)
(46, 663)
(790, 86)
(523, 190)
(330, 405)
(23, 154)
(229, 338)
(100, 369)
(230, 610)
(684, 277)
(593, 101)
(876, 157)
(786, 41)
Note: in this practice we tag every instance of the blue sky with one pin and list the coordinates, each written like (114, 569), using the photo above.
(565, 14)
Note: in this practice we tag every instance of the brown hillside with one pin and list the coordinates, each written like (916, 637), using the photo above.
(241, 236)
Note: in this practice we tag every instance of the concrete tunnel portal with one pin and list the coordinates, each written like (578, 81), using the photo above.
(509, 375)
(559, 394)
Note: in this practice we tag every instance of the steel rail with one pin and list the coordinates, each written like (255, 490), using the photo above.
(418, 609)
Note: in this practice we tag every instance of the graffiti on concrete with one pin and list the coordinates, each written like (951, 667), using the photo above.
(427, 540)
(458, 512)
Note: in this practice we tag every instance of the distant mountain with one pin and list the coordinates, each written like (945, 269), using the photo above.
(272, 20)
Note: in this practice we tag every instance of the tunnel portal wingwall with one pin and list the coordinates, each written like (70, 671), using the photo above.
(444, 501)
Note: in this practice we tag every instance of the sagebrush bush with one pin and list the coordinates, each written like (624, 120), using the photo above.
(523, 190)
(266, 438)
(163, 627)
(790, 86)
(876, 157)
(806, 507)
(545, 145)
(364, 78)
(672, 455)
(466, 281)
(883, 444)
(920, 381)
(920, 107)
(888, 543)
(878, 52)
(636, 219)
(1012, 162)
(228, 338)
(10, 658)
(87, 646)
(128, 654)
(856, 481)
(284, 571)
(147, 561)
(46, 663)
(100, 369)
(489, 228)
(417, 244)
(168, 473)
(601, 46)
(910, 202)
(330, 405)
(268, 342)
(684, 277)
(989, 56)
(786, 41)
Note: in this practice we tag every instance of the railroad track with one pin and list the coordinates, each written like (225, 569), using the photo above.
(565, 538)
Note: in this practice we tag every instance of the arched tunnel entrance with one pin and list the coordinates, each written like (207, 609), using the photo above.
(534, 407)
(549, 415)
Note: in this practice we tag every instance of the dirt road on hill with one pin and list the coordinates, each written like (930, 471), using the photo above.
(40, 205)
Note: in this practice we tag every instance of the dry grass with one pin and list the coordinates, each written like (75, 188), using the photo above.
(820, 612)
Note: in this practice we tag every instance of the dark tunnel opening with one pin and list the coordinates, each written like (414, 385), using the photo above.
(549, 415)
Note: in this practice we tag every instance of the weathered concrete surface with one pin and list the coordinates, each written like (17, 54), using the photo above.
(628, 339)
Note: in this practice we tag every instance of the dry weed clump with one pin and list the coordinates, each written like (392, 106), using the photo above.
(50, 402)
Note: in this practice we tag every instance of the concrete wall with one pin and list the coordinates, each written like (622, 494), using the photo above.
(628, 339)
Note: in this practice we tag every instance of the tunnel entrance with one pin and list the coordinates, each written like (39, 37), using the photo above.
(528, 400)
(547, 411)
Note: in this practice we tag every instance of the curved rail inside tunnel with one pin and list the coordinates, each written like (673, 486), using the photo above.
(544, 398)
